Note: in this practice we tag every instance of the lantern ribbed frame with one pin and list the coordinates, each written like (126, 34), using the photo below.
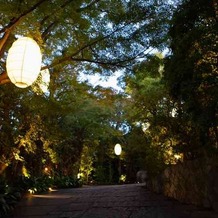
(23, 62)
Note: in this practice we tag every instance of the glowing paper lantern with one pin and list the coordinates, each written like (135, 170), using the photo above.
(23, 62)
(117, 149)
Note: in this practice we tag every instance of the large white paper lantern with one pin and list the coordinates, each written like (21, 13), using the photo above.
(117, 149)
(23, 62)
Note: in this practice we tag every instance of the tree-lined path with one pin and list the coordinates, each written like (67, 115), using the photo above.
(61, 131)
(117, 201)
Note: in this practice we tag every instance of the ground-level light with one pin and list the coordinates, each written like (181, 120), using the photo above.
(23, 62)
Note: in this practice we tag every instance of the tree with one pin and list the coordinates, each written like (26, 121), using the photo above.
(191, 72)
(75, 36)
(92, 36)
(150, 140)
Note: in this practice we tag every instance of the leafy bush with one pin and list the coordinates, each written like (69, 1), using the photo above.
(8, 200)
(9, 196)
(67, 182)
(42, 184)
(38, 184)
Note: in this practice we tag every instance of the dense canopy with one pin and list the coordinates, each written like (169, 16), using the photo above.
(91, 36)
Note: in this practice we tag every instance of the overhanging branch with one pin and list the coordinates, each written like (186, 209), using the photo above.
(16, 20)
(4, 78)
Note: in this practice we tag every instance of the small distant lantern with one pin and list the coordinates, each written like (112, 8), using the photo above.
(23, 63)
(117, 149)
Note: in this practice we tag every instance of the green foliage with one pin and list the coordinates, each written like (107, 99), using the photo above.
(8, 202)
(146, 89)
(151, 142)
(106, 172)
(91, 36)
(100, 176)
(53, 129)
(142, 153)
(9, 196)
(36, 184)
(67, 182)
(191, 74)
(86, 164)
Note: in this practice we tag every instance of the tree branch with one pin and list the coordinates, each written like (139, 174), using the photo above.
(4, 78)
(9, 28)
(3, 41)
(16, 20)
(102, 62)
(47, 30)
(88, 6)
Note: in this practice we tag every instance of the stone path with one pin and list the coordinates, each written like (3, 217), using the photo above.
(118, 201)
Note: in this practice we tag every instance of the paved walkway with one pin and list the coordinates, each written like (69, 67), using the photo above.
(118, 201)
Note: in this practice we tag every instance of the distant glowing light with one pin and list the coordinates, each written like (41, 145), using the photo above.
(117, 149)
